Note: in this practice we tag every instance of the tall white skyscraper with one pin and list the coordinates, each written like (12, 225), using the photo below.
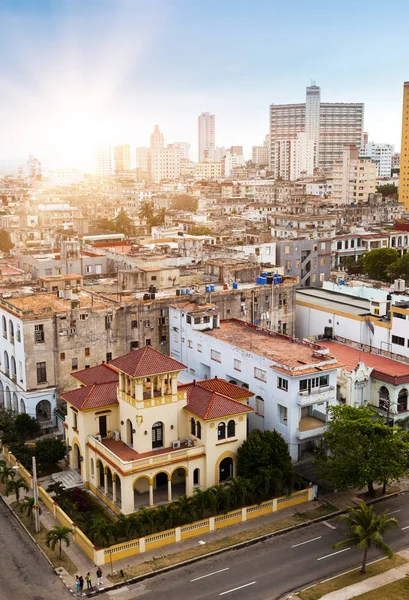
(104, 162)
(206, 123)
(312, 117)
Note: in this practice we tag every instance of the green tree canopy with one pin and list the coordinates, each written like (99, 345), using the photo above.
(26, 427)
(376, 263)
(387, 190)
(400, 268)
(49, 450)
(5, 241)
(200, 230)
(123, 223)
(56, 535)
(264, 459)
(362, 450)
(185, 202)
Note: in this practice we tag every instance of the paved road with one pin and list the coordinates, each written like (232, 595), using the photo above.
(24, 572)
(271, 568)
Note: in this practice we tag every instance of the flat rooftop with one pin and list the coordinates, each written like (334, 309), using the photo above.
(334, 301)
(285, 352)
(43, 304)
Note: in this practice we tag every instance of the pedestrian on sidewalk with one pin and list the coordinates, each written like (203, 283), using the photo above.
(99, 577)
(81, 580)
(88, 580)
(77, 584)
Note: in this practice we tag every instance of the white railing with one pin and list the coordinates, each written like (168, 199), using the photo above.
(311, 433)
(316, 395)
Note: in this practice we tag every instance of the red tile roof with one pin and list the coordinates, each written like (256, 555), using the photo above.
(221, 386)
(92, 396)
(145, 362)
(99, 374)
(208, 405)
(384, 368)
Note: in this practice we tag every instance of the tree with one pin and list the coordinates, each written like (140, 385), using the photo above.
(361, 450)
(13, 486)
(400, 268)
(387, 190)
(5, 241)
(146, 210)
(200, 230)
(263, 458)
(57, 535)
(376, 263)
(49, 450)
(26, 427)
(185, 202)
(28, 506)
(6, 473)
(366, 529)
(123, 223)
(101, 530)
(105, 225)
(186, 509)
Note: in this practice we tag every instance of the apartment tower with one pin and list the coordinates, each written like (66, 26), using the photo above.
(206, 123)
(122, 158)
(404, 153)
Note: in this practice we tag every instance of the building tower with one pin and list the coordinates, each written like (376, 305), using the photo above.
(157, 139)
(404, 152)
(104, 161)
(122, 158)
(312, 117)
(206, 123)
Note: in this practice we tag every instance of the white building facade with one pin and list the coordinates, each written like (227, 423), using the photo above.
(207, 136)
(381, 155)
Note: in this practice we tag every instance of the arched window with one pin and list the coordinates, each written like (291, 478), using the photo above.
(92, 468)
(11, 330)
(225, 469)
(384, 398)
(15, 403)
(4, 327)
(6, 363)
(192, 426)
(22, 406)
(198, 430)
(196, 477)
(13, 368)
(157, 435)
(221, 431)
(403, 400)
(231, 429)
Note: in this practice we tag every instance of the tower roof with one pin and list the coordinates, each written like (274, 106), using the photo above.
(145, 362)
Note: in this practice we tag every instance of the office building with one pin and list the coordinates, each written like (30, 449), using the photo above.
(381, 155)
(404, 152)
(122, 158)
(206, 123)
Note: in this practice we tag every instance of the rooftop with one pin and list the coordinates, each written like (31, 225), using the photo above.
(205, 400)
(288, 353)
(92, 396)
(49, 303)
(97, 375)
(334, 300)
(145, 362)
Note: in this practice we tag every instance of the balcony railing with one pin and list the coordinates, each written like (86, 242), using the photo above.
(311, 433)
(316, 395)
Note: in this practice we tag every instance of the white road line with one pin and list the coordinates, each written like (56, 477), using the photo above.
(333, 554)
(307, 542)
(328, 525)
(237, 588)
(407, 527)
(210, 574)
(394, 512)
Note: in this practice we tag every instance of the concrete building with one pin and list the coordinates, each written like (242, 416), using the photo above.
(207, 136)
(308, 261)
(104, 162)
(294, 157)
(293, 382)
(122, 158)
(164, 164)
(354, 178)
(194, 430)
(184, 149)
(209, 170)
(260, 155)
(157, 139)
(404, 151)
(381, 155)
(231, 161)
(143, 160)
(330, 125)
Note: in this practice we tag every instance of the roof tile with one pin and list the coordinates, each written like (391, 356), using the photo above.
(145, 362)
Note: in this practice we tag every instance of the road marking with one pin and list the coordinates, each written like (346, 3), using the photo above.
(394, 512)
(333, 554)
(307, 542)
(328, 525)
(407, 527)
(237, 588)
(210, 574)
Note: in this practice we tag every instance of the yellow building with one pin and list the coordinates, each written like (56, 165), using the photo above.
(404, 152)
(141, 439)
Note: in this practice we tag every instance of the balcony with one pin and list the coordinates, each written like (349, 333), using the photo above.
(316, 395)
(310, 427)
(156, 400)
(129, 461)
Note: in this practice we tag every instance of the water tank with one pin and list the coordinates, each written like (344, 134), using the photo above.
(207, 289)
(187, 291)
(399, 285)
(280, 279)
(275, 279)
(235, 286)
(182, 291)
(212, 288)
(263, 280)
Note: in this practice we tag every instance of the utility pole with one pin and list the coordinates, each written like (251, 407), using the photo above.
(36, 507)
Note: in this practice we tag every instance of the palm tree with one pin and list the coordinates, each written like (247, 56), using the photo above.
(101, 530)
(238, 489)
(146, 210)
(128, 527)
(7, 473)
(222, 498)
(147, 519)
(13, 486)
(186, 509)
(203, 500)
(28, 506)
(57, 535)
(365, 530)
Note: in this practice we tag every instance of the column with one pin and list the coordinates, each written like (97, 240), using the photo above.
(105, 482)
(162, 386)
(169, 489)
(151, 494)
(152, 388)
(114, 488)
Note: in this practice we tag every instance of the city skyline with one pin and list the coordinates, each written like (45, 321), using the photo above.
(78, 74)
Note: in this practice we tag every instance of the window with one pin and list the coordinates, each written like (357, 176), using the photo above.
(396, 339)
(108, 356)
(322, 261)
(231, 429)
(282, 384)
(62, 355)
(108, 321)
(260, 374)
(75, 421)
(282, 414)
(221, 431)
(398, 315)
(198, 430)
(83, 316)
(74, 364)
(189, 319)
(314, 383)
(18, 334)
(147, 342)
(192, 426)
(48, 272)
(322, 277)
(134, 324)
(41, 372)
(199, 347)
(196, 477)
(288, 265)
(286, 249)
(20, 370)
(189, 344)
(132, 346)
(86, 351)
(314, 277)
(4, 327)
(237, 364)
(214, 355)
(260, 406)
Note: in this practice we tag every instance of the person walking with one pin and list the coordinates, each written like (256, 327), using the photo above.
(81, 580)
(88, 580)
(99, 577)
(77, 584)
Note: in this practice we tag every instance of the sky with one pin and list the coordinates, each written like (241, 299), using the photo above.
(78, 73)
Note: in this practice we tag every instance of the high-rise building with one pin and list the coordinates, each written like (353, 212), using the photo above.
(330, 125)
(260, 155)
(236, 150)
(354, 178)
(230, 161)
(104, 161)
(381, 154)
(158, 162)
(122, 158)
(157, 139)
(294, 157)
(206, 123)
(404, 150)
(143, 160)
(184, 149)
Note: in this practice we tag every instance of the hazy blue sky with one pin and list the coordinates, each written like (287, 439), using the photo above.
(76, 73)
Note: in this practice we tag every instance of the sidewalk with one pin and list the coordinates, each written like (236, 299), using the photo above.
(373, 583)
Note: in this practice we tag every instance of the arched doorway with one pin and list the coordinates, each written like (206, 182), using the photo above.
(76, 457)
(141, 492)
(129, 433)
(6, 364)
(225, 469)
(13, 369)
(160, 488)
(15, 403)
(1, 395)
(178, 482)
(8, 398)
(109, 482)
(157, 435)
(100, 474)
(22, 406)
(43, 410)
(403, 400)
(384, 398)
(117, 497)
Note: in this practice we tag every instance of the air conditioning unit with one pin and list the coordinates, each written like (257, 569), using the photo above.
(98, 437)
(176, 444)
(116, 436)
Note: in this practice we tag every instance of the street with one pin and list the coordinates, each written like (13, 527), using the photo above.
(24, 572)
